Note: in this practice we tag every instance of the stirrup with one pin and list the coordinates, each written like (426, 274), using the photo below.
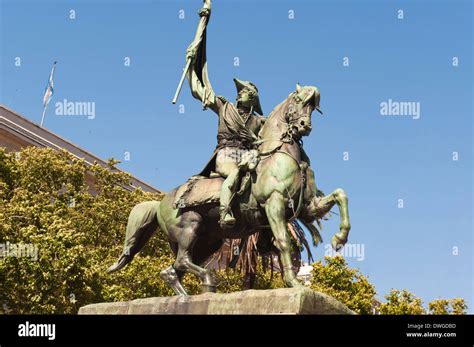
(227, 223)
(226, 219)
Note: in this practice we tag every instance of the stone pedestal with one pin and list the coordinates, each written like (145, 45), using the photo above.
(271, 301)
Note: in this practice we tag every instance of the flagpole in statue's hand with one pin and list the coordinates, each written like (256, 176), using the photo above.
(181, 81)
(190, 53)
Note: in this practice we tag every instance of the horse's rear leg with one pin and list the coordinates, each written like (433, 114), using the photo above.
(275, 211)
(184, 260)
(172, 278)
(184, 263)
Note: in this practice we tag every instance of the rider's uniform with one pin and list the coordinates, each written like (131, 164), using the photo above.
(236, 132)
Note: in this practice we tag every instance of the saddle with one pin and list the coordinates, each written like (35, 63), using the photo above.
(198, 190)
(205, 187)
(201, 190)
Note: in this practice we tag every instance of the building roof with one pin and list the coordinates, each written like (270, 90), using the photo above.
(16, 132)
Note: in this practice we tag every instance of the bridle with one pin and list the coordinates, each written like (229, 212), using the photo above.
(293, 116)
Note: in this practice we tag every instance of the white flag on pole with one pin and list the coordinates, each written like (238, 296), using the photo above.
(49, 90)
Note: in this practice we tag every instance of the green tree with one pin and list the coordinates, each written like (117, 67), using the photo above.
(231, 280)
(78, 230)
(347, 285)
(45, 202)
(266, 279)
(458, 306)
(402, 303)
(455, 306)
(438, 306)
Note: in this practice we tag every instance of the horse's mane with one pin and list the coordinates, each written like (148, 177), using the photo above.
(305, 95)
(279, 108)
(276, 116)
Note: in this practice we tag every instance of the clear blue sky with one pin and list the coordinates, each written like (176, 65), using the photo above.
(391, 158)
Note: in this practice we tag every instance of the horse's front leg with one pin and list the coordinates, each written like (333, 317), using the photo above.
(275, 211)
(339, 197)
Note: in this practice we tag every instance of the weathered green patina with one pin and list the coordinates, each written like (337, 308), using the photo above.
(264, 158)
(238, 125)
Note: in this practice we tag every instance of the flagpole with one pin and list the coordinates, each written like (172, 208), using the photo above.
(42, 117)
(196, 42)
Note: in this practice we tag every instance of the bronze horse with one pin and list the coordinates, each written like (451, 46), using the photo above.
(282, 188)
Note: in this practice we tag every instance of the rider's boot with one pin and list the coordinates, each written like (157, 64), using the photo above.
(227, 220)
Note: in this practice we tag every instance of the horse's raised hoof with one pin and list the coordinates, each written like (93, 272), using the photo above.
(337, 242)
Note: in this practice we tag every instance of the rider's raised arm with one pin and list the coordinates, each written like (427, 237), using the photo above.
(202, 91)
(197, 74)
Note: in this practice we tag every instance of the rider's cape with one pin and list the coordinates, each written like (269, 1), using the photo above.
(191, 193)
(210, 166)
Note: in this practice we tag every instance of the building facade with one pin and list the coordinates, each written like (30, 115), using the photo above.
(17, 132)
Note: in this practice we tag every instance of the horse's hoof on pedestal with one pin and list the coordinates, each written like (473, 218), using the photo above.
(208, 288)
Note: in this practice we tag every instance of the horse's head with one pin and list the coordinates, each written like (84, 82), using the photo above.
(291, 119)
(301, 104)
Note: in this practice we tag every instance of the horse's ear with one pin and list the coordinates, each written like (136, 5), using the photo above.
(298, 88)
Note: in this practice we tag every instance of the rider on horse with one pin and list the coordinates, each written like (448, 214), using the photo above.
(238, 125)
(195, 230)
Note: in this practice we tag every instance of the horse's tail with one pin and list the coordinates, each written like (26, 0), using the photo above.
(142, 224)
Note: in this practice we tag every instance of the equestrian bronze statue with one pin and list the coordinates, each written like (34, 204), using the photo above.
(259, 179)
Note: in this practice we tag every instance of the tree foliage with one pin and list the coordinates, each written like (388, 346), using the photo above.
(345, 284)
(455, 306)
(352, 288)
(76, 215)
(46, 202)
(401, 303)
